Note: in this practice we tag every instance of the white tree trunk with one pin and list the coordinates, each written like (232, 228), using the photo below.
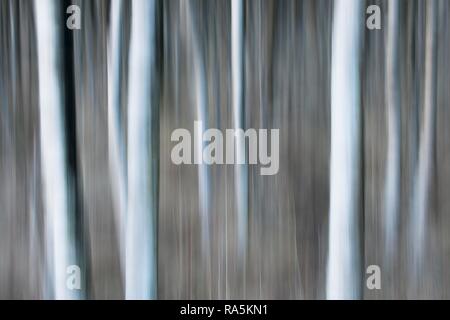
(344, 261)
(116, 135)
(426, 144)
(60, 240)
(392, 91)
(200, 94)
(241, 170)
(141, 215)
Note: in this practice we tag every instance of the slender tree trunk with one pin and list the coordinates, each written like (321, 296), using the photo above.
(202, 115)
(60, 238)
(344, 260)
(392, 90)
(117, 158)
(141, 259)
(201, 100)
(237, 73)
(426, 143)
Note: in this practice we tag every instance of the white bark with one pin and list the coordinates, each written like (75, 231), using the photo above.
(392, 91)
(241, 170)
(202, 115)
(426, 144)
(141, 210)
(60, 242)
(343, 269)
(116, 148)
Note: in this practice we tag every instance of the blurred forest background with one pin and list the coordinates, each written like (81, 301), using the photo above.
(141, 227)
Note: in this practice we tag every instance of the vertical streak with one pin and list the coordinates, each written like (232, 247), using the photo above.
(141, 263)
(203, 176)
(13, 53)
(202, 116)
(59, 237)
(426, 145)
(116, 147)
(241, 170)
(392, 91)
(343, 269)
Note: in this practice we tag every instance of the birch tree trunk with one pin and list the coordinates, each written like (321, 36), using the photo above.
(426, 142)
(59, 228)
(201, 110)
(141, 259)
(392, 90)
(116, 148)
(241, 170)
(344, 261)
